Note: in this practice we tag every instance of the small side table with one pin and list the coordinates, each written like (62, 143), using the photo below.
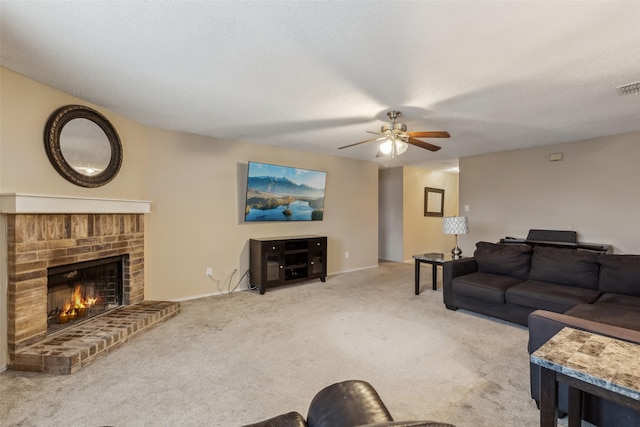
(587, 363)
(435, 259)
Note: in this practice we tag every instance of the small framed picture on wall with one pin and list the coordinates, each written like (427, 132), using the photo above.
(433, 202)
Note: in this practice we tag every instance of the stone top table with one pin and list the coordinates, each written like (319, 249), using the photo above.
(587, 362)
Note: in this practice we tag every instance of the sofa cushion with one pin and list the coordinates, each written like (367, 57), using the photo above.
(510, 260)
(483, 286)
(620, 300)
(568, 267)
(624, 317)
(549, 296)
(619, 274)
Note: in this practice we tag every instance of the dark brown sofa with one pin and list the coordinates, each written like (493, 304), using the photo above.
(510, 281)
(547, 289)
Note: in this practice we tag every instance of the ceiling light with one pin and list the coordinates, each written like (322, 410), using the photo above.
(629, 89)
(386, 147)
(393, 146)
(401, 146)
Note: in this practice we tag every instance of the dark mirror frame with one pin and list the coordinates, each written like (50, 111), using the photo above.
(53, 130)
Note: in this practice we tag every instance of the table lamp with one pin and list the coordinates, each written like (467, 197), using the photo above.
(455, 225)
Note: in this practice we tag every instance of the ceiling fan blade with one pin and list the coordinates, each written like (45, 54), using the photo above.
(422, 144)
(375, 133)
(434, 134)
(357, 143)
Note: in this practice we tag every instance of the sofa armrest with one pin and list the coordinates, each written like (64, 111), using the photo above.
(543, 325)
(451, 270)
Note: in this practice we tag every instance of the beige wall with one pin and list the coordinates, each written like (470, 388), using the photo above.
(593, 191)
(423, 234)
(404, 230)
(24, 167)
(196, 185)
(390, 208)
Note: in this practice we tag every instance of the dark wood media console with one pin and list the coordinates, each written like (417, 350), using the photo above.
(280, 261)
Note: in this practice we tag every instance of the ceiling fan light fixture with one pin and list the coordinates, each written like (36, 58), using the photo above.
(393, 146)
(394, 138)
(401, 147)
(390, 127)
(386, 147)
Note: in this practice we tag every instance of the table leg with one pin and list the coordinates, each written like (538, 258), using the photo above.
(434, 276)
(417, 277)
(548, 398)
(575, 407)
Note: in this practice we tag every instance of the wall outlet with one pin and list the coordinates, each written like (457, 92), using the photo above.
(346, 254)
(209, 272)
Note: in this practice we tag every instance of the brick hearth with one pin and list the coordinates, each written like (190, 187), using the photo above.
(36, 242)
(68, 351)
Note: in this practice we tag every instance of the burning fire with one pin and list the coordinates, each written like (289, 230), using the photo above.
(77, 307)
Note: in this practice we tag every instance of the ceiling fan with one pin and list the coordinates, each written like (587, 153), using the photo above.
(395, 139)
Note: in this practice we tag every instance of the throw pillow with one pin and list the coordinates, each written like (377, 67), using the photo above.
(505, 259)
(569, 267)
(620, 274)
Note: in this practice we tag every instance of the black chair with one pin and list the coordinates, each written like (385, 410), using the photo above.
(346, 404)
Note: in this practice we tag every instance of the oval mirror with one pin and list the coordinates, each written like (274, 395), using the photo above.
(83, 146)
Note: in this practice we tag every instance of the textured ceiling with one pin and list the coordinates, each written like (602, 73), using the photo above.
(315, 76)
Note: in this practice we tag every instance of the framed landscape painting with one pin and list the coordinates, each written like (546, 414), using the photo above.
(284, 193)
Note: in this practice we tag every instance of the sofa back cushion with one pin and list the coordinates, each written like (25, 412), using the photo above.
(619, 274)
(509, 260)
(568, 267)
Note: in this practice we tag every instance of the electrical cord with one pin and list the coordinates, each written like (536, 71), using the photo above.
(249, 285)
(246, 274)
(229, 279)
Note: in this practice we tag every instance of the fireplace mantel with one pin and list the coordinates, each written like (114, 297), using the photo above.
(20, 203)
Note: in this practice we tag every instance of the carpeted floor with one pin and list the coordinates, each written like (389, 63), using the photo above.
(234, 359)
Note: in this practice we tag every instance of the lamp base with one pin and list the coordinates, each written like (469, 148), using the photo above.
(456, 252)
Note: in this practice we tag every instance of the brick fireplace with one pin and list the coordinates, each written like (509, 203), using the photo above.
(36, 242)
(39, 235)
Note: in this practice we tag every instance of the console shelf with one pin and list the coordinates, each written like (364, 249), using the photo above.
(284, 260)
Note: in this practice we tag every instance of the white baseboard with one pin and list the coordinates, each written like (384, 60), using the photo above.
(390, 259)
(354, 269)
(192, 297)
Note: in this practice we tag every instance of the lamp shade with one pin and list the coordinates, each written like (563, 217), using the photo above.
(455, 225)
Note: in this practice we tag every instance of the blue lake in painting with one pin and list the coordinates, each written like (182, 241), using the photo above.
(300, 211)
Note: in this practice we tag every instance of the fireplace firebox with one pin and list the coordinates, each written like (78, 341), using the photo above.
(79, 291)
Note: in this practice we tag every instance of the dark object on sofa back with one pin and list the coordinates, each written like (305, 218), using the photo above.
(553, 236)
